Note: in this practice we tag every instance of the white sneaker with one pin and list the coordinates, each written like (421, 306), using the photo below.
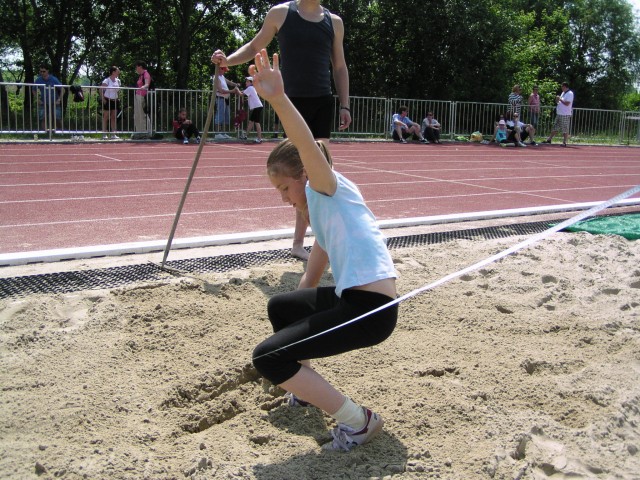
(185, 141)
(257, 140)
(115, 137)
(520, 144)
(345, 438)
(220, 136)
(105, 137)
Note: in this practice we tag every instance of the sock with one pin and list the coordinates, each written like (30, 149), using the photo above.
(352, 414)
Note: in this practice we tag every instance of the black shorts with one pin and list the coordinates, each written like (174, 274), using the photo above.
(109, 104)
(255, 115)
(317, 112)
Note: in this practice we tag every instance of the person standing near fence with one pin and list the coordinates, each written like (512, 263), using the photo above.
(224, 89)
(255, 109)
(515, 99)
(311, 45)
(140, 119)
(50, 94)
(564, 111)
(534, 107)
(110, 103)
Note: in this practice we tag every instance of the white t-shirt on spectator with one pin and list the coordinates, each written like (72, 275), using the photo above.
(252, 97)
(565, 109)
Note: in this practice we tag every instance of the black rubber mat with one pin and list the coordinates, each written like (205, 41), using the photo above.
(65, 282)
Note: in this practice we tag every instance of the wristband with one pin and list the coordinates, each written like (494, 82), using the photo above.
(346, 108)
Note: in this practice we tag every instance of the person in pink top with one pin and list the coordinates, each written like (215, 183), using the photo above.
(140, 119)
(534, 107)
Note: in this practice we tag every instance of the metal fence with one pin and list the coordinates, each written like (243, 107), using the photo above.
(21, 117)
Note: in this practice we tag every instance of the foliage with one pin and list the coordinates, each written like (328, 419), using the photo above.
(435, 49)
(631, 102)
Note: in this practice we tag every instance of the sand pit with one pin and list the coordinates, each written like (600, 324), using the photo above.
(528, 368)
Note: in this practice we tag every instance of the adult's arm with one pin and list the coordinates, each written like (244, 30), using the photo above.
(272, 22)
(340, 71)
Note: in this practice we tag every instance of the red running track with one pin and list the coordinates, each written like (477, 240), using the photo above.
(74, 195)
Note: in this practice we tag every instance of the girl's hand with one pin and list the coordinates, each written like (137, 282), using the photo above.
(267, 80)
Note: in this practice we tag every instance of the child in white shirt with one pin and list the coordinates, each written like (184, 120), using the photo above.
(255, 109)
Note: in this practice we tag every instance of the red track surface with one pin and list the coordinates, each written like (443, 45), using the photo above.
(73, 195)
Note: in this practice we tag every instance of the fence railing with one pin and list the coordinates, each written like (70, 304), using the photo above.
(21, 116)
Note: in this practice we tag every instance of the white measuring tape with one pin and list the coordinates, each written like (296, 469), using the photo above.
(475, 266)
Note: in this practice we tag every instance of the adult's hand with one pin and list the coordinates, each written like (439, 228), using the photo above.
(219, 58)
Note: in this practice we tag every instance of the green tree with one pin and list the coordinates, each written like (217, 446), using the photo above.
(605, 51)
(444, 49)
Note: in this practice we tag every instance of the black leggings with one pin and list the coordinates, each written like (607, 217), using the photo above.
(302, 313)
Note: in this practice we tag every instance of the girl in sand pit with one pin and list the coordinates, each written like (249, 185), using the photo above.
(348, 238)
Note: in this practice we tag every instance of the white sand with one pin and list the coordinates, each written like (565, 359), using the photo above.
(529, 368)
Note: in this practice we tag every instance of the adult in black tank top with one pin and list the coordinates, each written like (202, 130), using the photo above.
(311, 41)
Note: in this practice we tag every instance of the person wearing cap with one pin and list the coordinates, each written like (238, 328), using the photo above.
(224, 89)
(255, 109)
(500, 133)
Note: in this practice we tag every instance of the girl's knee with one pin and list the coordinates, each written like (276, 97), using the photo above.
(277, 308)
(259, 360)
(264, 362)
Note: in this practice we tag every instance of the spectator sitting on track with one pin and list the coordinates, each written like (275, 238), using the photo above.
(402, 127)
(184, 129)
(525, 130)
(505, 137)
(431, 128)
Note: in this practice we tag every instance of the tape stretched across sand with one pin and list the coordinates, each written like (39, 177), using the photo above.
(476, 266)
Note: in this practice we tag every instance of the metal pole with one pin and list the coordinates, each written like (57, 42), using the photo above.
(212, 102)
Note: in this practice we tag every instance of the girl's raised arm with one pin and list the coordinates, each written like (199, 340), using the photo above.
(268, 82)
